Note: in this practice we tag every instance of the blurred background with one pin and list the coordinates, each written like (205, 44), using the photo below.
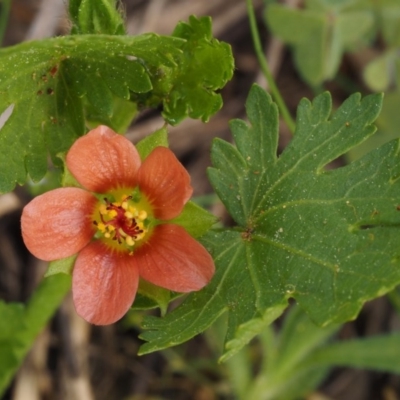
(72, 360)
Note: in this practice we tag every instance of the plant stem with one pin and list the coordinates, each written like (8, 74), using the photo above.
(4, 13)
(265, 68)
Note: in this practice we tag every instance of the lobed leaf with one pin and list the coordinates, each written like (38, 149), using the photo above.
(205, 58)
(195, 219)
(54, 85)
(327, 238)
(45, 81)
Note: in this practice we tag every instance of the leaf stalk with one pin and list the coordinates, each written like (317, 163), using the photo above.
(265, 68)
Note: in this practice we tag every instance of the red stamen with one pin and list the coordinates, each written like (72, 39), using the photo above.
(121, 222)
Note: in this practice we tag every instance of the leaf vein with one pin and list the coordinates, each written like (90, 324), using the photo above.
(292, 250)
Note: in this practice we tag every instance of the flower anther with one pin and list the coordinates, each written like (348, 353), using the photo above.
(122, 224)
(118, 224)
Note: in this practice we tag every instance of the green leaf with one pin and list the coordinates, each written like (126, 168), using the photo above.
(210, 61)
(297, 359)
(319, 35)
(47, 89)
(327, 238)
(52, 85)
(375, 353)
(64, 266)
(11, 322)
(159, 296)
(378, 73)
(21, 324)
(96, 16)
(150, 296)
(149, 143)
(50, 181)
(123, 112)
(196, 220)
(228, 291)
(329, 5)
(298, 338)
(388, 124)
(286, 372)
(389, 120)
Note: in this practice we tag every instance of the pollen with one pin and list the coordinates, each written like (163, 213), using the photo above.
(142, 215)
(128, 214)
(129, 241)
(103, 209)
(121, 223)
(112, 213)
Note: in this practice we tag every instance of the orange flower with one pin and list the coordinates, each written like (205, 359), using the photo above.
(117, 223)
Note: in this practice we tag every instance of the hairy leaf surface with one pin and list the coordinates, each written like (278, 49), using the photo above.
(54, 85)
(327, 238)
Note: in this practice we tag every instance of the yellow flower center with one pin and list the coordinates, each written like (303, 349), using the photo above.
(122, 224)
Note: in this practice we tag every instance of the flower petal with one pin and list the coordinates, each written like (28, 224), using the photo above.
(104, 284)
(57, 224)
(174, 260)
(165, 182)
(103, 160)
